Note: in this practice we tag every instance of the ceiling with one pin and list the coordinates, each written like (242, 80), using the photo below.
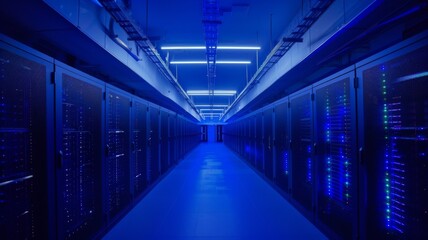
(243, 23)
(180, 23)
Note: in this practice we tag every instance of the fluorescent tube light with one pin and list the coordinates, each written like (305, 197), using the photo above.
(238, 48)
(211, 109)
(207, 93)
(211, 114)
(205, 62)
(204, 47)
(188, 62)
(183, 48)
(214, 105)
(233, 62)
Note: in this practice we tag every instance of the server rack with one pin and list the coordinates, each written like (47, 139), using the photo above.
(153, 142)
(253, 132)
(26, 113)
(336, 171)
(352, 148)
(268, 142)
(259, 161)
(184, 133)
(301, 132)
(240, 137)
(219, 133)
(246, 139)
(164, 142)
(204, 132)
(282, 143)
(394, 140)
(118, 137)
(79, 134)
(173, 138)
(139, 166)
(180, 138)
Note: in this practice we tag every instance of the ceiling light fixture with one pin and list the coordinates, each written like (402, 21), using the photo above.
(214, 105)
(205, 62)
(211, 109)
(206, 92)
(238, 48)
(204, 47)
(211, 114)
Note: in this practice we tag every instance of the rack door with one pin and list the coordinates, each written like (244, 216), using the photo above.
(153, 142)
(164, 150)
(336, 155)
(24, 81)
(117, 151)
(282, 142)
(79, 104)
(302, 148)
(139, 147)
(268, 142)
(395, 148)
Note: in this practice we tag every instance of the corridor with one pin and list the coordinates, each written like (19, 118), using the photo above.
(212, 194)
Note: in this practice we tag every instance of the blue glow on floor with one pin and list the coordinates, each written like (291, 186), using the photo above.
(212, 194)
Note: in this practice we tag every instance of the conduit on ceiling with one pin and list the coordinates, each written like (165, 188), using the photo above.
(211, 20)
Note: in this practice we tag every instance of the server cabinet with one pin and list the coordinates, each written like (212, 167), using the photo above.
(139, 147)
(25, 128)
(302, 148)
(219, 133)
(164, 153)
(259, 142)
(335, 131)
(243, 124)
(246, 139)
(173, 138)
(79, 121)
(204, 132)
(243, 136)
(253, 132)
(240, 138)
(179, 138)
(268, 142)
(282, 143)
(395, 143)
(117, 150)
(184, 137)
(153, 142)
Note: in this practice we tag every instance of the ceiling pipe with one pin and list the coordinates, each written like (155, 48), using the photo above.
(211, 15)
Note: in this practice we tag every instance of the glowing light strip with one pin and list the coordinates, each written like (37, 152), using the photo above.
(205, 62)
(214, 105)
(412, 76)
(285, 158)
(211, 115)
(328, 140)
(203, 48)
(207, 93)
(212, 109)
(15, 180)
(238, 48)
(394, 168)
